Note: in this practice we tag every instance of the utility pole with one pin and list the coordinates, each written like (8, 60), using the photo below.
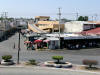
(19, 30)
(92, 21)
(92, 18)
(5, 14)
(18, 47)
(77, 15)
(5, 21)
(59, 14)
(96, 17)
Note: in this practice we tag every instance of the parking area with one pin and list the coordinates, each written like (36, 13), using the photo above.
(73, 56)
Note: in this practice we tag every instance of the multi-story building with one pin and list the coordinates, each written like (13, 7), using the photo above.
(44, 23)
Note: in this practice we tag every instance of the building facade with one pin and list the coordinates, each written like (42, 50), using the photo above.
(44, 23)
(78, 26)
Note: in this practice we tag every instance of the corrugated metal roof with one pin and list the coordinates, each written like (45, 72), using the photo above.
(95, 31)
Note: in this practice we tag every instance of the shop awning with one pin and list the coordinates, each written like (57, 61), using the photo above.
(27, 42)
(46, 40)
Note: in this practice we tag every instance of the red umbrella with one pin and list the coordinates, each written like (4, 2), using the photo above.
(37, 41)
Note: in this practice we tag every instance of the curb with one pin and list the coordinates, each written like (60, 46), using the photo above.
(11, 66)
(65, 69)
(52, 68)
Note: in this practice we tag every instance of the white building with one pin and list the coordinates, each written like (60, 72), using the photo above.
(78, 26)
(21, 22)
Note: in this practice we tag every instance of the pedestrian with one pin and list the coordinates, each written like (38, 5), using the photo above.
(14, 46)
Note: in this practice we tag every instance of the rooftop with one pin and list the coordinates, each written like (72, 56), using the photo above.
(95, 31)
(42, 16)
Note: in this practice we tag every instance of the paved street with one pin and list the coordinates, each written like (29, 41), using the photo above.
(73, 56)
(41, 71)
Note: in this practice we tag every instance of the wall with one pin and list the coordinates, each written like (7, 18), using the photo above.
(73, 26)
(54, 25)
(1, 34)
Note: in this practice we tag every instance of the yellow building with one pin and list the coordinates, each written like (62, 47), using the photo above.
(42, 18)
(43, 23)
(50, 26)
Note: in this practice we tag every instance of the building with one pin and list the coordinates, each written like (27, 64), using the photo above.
(95, 31)
(5, 25)
(1, 34)
(21, 22)
(78, 26)
(97, 23)
(50, 26)
(42, 18)
(44, 23)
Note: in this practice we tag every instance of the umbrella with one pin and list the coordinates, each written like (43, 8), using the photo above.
(37, 41)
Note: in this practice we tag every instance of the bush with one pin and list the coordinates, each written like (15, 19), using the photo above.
(6, 57)
(32, 62)
(90, 62)
(58, 58)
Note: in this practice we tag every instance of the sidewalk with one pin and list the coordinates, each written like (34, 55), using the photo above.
(74, 69)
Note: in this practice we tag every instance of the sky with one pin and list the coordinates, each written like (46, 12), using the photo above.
(31, 8)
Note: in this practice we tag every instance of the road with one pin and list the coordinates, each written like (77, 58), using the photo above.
(41, 71)
(73, 56)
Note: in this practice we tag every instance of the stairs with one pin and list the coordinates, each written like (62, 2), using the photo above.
(35, 28)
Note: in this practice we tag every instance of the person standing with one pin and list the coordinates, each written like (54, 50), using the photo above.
(14, 46)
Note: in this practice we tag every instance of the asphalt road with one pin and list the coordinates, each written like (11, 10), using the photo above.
(41, 71)
(73, 56)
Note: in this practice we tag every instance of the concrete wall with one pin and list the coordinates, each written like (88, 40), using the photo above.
(73, 26)
(78, 26)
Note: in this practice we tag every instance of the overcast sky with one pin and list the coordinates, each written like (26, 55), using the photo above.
(31, 8)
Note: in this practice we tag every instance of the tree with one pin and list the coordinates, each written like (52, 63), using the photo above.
(86, 18)
(58, 58)
(6, 57)
(90, 62)
(65, 20)
(83, 18)
(1, 18)
(9, 19)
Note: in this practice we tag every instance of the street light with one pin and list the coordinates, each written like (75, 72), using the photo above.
(19, 30)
